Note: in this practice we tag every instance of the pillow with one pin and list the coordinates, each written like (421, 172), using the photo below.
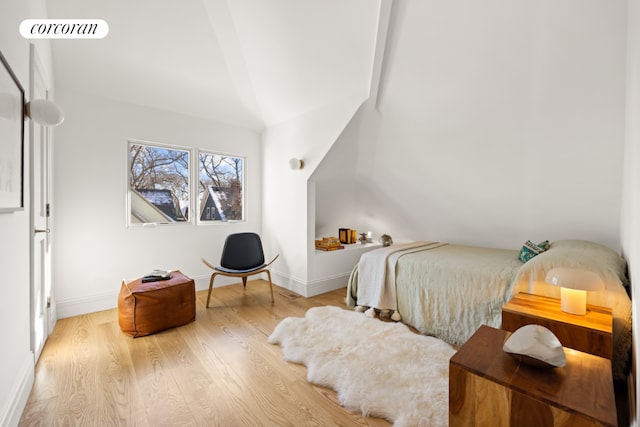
(600, 259)
(530, 249)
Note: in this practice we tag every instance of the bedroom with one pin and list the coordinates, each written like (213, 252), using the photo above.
(489, 116)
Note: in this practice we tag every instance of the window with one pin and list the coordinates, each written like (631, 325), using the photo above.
(220, 194)
(159, 184)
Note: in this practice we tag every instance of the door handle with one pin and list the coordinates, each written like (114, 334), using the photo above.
(39, 230)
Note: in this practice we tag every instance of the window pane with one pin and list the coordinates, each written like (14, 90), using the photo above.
(158, 184)
(221, 187)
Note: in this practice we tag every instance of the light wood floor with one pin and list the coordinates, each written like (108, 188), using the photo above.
(216, 371)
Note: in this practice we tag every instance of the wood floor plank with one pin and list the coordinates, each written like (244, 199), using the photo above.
(116, 396)
(216, 371)
(161, 398)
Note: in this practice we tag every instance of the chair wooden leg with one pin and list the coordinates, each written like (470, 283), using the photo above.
(210, 288)
(244, 282)
(270, 285)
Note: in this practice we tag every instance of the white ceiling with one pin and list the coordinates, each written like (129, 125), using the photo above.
(251, 63)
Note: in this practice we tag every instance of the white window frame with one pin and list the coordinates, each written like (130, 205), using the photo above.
(196, 189)
(190, 151)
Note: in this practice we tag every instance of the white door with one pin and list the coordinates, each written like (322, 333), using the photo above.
(42, 314)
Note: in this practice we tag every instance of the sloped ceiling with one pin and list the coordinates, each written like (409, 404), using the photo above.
(250, 63)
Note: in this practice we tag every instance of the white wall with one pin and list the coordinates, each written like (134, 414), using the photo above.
(290, 200)
(337, 193)
(497, 122)
(16, 357)
(94, 250)
(287, 220)
(630, 230)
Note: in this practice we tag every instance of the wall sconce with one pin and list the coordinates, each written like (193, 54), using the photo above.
(296, 164)
(574, 285)
(44, 112)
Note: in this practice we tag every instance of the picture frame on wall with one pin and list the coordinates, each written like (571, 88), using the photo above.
(11, 140)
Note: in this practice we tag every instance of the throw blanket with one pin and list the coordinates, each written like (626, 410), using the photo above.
(377, 273)
(450, 291)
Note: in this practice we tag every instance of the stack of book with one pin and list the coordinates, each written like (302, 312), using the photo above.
(329, 244)
(156, 275)
(347, 236)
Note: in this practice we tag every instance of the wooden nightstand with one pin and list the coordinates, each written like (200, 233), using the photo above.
(487, 387)
(591, 333)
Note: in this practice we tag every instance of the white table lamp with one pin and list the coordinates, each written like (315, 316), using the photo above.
(574, 284)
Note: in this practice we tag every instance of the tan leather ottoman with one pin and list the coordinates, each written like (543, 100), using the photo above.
(145, 308)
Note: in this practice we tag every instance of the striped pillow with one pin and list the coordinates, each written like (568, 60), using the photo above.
(530, 250)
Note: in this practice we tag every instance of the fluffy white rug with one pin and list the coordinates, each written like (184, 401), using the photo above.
(378, 368)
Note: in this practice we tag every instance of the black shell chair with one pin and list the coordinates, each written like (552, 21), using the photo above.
(242, 256)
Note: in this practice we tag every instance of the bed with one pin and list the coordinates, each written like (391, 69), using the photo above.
(448, 290)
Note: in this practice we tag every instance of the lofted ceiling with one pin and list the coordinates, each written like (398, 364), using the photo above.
(249, 63)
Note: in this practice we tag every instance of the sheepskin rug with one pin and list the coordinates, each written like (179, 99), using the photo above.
(378, 368)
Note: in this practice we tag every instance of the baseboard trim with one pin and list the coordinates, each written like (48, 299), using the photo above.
(71, 307)
(289, 282)
(310, 288)
(19, 393)
(328, 284)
